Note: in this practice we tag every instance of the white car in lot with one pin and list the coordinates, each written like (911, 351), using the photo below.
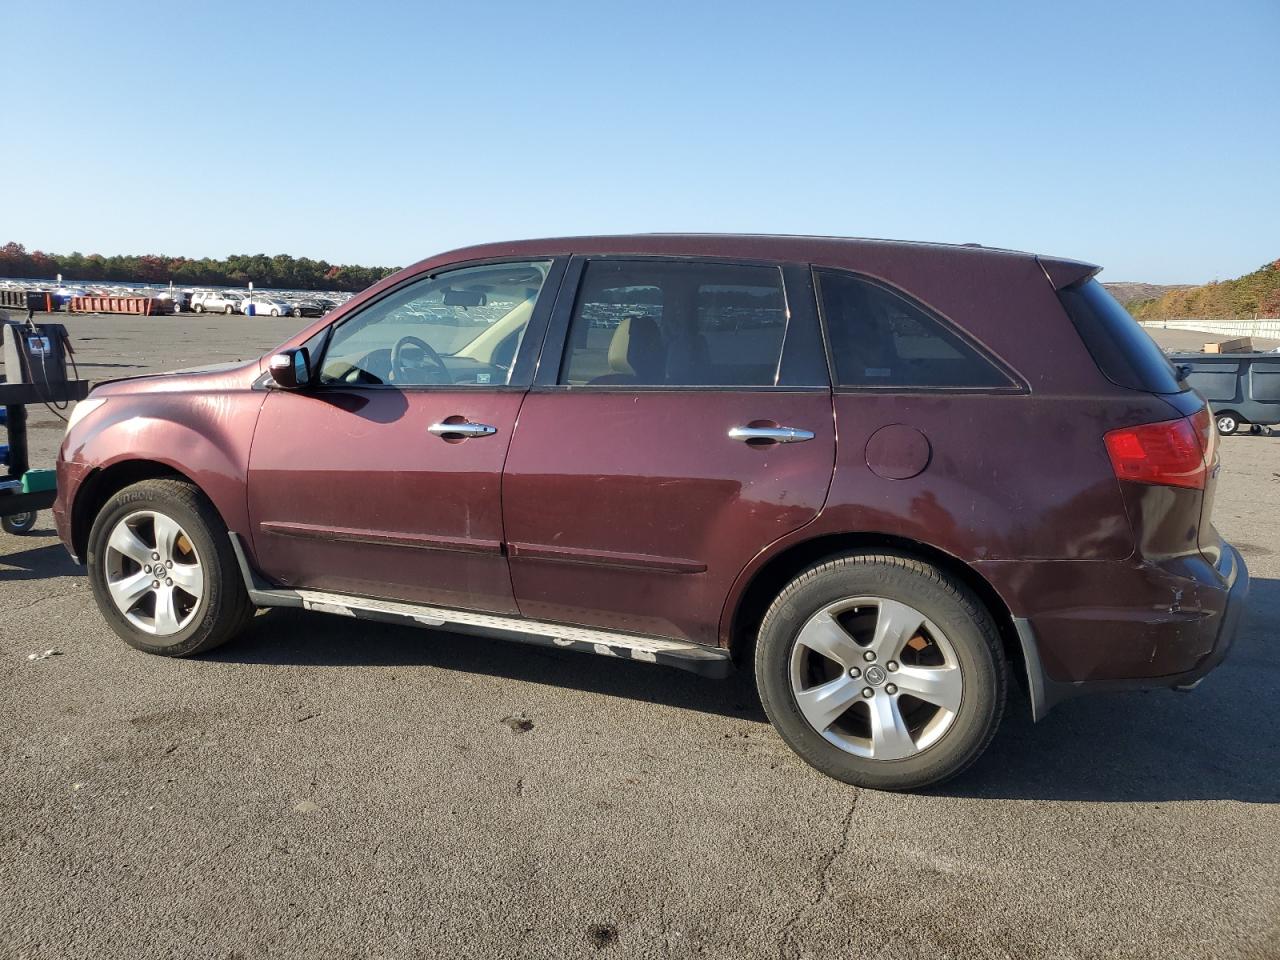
(260, 305)
(223, 301)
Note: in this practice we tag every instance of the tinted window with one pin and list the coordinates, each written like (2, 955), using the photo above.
(1266, 381)
(881, 339)
(653, 323)
(1121, 349)
(460, 328)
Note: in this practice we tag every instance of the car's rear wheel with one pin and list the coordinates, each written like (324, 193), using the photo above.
(1228, 423)
(163, 572)
(881, 671)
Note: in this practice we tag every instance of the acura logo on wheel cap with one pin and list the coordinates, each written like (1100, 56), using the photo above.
(875, 674)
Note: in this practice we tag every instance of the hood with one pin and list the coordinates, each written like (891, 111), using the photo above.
(238, 374)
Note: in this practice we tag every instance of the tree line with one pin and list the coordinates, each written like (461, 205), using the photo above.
(281, 271)
(1255, 294)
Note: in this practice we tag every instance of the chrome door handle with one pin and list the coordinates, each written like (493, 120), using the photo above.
(770, 434)
(462, 430)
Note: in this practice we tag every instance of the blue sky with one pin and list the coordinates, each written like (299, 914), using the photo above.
(1142, 136)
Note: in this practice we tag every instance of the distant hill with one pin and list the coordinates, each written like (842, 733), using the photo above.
(1255, 294)
(1128, 292)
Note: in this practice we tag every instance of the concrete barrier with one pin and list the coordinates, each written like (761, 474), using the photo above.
(1258, 327)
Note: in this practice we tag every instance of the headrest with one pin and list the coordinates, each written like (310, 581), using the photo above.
(636, 350)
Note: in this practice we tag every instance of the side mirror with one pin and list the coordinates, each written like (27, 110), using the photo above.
(291, 369)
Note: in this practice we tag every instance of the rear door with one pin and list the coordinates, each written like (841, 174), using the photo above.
(680, 422)
(383, 479)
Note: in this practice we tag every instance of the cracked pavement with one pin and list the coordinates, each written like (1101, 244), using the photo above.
(330, 788)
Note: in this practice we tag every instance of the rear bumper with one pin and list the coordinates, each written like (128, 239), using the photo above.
(1046, 692)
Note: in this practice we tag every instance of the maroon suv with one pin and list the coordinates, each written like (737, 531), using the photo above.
(886, 474)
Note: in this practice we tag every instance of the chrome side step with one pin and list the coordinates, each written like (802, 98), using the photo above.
(696, 657)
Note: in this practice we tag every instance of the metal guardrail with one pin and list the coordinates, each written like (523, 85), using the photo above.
(1258, 327)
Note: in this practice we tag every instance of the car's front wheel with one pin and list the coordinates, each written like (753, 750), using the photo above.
(1228, 423)
(881, 671)
(163, 572)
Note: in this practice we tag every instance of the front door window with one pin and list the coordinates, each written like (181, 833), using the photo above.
(460, 328)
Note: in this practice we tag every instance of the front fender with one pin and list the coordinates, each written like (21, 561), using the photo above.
(204, 436)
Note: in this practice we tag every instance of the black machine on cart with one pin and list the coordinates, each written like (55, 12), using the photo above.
(35, 363)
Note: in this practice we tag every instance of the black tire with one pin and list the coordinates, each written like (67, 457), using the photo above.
(19, 524)
(198, 308)
(957, 613)
(224, 607)
(1228, 422)
(228, 310)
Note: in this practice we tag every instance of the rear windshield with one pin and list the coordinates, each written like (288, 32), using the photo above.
(1121, 349)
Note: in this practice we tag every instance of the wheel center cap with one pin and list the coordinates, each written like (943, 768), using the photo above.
(875, 674)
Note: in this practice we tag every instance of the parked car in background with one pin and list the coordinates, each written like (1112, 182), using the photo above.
(1242, 388)
(265, 305)
(217, 301)
(60, 298)
(181, 299)
(311, 307)
(1021, 484)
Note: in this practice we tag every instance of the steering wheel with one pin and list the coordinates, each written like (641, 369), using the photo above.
(399, 371)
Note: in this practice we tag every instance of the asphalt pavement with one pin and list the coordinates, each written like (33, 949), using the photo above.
(325, 787)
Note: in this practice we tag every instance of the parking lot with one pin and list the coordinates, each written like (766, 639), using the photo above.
(325, 787)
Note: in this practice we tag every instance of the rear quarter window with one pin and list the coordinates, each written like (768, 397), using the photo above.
(1121, 349)
(879, 338)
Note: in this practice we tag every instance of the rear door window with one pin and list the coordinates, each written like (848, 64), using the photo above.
(1121, 349)
(676, 324)
(879, 338)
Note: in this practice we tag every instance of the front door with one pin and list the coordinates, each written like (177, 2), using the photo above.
(689, 424)
(383, 478)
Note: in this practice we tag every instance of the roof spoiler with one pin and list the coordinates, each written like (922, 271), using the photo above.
(1064, 273)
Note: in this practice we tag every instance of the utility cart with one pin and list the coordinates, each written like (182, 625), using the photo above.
(35, 372)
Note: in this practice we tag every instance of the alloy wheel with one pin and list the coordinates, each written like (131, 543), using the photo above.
(153, 573)
(876, 678)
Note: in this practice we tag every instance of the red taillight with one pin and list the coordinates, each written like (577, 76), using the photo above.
(1205, 430)
(1174, 453)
